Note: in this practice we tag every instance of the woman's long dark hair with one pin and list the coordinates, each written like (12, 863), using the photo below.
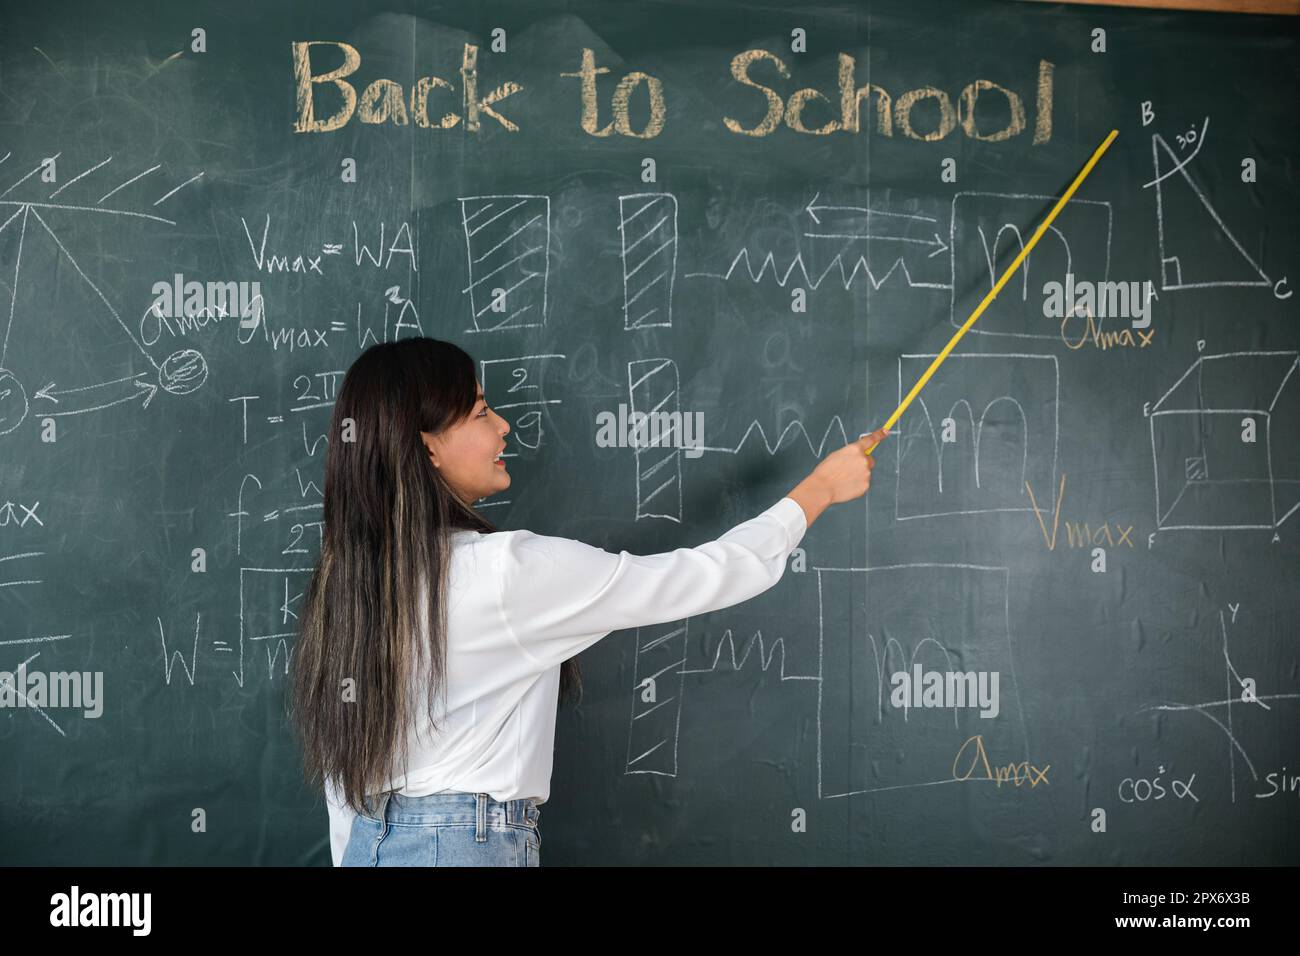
(388, 515)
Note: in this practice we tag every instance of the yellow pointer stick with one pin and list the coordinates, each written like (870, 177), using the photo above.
(993, 292)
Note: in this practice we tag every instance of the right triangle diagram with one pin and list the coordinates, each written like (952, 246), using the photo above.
(1197, 250)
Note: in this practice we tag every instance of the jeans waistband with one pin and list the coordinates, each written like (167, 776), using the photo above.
(479, 809)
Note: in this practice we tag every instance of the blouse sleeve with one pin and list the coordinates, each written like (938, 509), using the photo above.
(559, 596)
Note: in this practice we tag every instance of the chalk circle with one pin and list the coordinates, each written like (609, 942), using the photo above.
(572, 216)
(183, 372)
(770, 345)
(13, 401)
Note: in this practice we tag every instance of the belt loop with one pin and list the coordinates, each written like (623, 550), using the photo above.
(480, 833)
(383, 826)
(381, 806)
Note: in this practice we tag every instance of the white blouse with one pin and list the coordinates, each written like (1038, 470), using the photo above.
(519, 605)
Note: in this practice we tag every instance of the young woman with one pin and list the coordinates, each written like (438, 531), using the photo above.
(433, 648)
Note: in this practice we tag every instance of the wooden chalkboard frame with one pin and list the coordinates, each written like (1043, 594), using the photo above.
(1275, 7)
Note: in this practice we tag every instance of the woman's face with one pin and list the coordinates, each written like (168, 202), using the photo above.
(466, 453)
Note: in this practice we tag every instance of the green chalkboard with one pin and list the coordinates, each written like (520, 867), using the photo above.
(765, 216)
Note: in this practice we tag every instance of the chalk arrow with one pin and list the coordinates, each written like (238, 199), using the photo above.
(147, 389)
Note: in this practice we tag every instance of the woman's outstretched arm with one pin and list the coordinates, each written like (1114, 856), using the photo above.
(559, 596)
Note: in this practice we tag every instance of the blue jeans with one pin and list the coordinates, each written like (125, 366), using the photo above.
(445, 829)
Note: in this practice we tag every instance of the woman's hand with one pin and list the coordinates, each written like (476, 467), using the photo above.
(841, 476)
